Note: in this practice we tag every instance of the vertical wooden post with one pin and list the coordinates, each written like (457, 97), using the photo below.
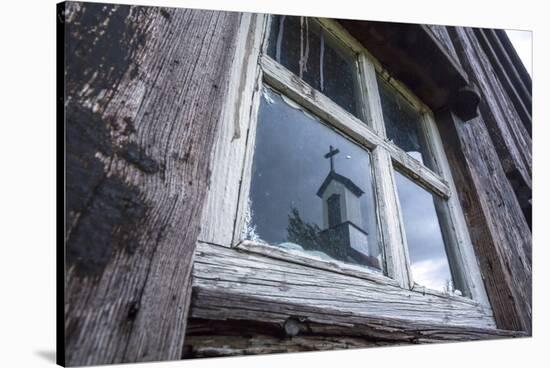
(143, 93)
(499, 232)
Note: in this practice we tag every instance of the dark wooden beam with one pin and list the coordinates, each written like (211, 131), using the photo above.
(499, 232)
(210, 338)
(508, 134)
(225, 314)
(140, 122)
(414, 55)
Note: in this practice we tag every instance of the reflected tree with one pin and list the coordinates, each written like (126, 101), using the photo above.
(303, 233)
(332, 242)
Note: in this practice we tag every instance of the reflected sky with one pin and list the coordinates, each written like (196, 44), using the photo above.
(429, 263)
(289, 168)
(523, 43)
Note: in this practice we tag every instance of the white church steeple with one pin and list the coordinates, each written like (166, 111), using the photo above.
(342, 217)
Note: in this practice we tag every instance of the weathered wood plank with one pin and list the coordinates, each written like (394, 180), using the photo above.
(499, 232)
(507, 73)
(233, 284)
(309, 260)
(220, 345)
(208, 338)
(509, 136)
(144, 88)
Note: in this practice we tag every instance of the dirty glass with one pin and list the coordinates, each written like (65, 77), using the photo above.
(429, 262)
(302, 46)
(311, 188)
(403, 123)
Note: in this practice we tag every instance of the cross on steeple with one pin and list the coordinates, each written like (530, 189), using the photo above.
(330, 154)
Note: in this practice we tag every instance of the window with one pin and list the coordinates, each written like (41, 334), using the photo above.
(342, 167)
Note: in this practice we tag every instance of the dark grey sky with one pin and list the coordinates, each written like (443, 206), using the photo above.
(426, 247)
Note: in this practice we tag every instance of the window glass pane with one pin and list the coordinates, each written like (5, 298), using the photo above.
(403, 123)
(303, 47)
(429, 262)
(311, 188)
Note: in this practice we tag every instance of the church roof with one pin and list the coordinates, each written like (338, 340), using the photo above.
(332, 175)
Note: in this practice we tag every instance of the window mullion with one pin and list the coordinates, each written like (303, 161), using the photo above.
(370, 97)
(393, 233)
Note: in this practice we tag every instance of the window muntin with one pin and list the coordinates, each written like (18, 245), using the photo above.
(301, 167)
(305, 48)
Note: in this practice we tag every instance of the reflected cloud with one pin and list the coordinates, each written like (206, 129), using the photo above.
(431, 273)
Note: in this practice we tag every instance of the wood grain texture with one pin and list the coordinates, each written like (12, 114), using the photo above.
(510, 138)
(144, 88)
(509, 69)
(492, 161)
(232, 284)
(312, 261)
(207, 338)
(243, 302)
(231, 345)
(499, 232)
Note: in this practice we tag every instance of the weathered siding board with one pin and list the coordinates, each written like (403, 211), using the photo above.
(208, 338)
(244, 303)
(507, 132)
(516, 64)
(144, 88)
(228, 283)
(509, 74)
(499, 232)
(218, 345)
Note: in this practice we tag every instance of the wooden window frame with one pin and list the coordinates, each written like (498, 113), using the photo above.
(233, 157)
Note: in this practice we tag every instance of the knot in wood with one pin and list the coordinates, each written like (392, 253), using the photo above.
(292, 327)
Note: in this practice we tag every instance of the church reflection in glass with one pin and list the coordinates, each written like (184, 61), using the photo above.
(295, 204)
(345, 238)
